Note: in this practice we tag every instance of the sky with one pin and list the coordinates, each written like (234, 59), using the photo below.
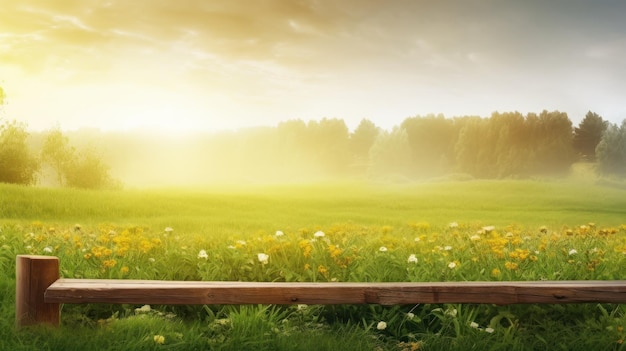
(191, 65)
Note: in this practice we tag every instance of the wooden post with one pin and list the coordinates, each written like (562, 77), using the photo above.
(34, 274)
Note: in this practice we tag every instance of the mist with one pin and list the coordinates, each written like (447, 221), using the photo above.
(505, 145)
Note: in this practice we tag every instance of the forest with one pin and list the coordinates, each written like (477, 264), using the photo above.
(503, 145)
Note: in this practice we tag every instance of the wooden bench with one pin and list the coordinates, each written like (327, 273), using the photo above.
(40, 291)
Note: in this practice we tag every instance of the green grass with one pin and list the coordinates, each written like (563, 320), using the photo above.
(267, 207)
(537, 224)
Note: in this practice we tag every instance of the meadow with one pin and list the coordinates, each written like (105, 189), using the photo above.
(431, 231)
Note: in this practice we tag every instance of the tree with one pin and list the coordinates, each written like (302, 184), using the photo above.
(611, 150)
(588, 134)
(432, 140)
(87, 170)
(17, 164)
(57, 152)
(390, 156)
(361, 141)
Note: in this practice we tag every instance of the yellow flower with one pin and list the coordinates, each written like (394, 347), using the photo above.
(124, 270)
(322, 270)
(159, 339)
(109, 263)
(495, 272)
(511, 265)
(334, 251)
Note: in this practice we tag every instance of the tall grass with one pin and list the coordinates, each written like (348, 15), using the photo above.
(479, 230)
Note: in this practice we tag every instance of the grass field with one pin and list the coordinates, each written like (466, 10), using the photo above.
(474, 230)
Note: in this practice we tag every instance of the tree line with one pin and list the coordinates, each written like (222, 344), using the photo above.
(504, 145)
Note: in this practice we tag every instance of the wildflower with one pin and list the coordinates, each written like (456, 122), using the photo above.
(572, 252)
(452, 265)
(489, 228)
(143, 309)
(109, 263)
(322, 270)
(410, 315)
(412, 259)
(319, 234)
(263, 258)
(489, 330)
(451, 312)
(124, 270)
(203, 254)
(382, 249)
(495, 272)
(159, 339)
(475, 237)
(447, 248)
(47, 249)
(511, 265)
(169, 229)
(381, 325)
(279, 233)
(453, 225)
(417, 239)
(474, 325)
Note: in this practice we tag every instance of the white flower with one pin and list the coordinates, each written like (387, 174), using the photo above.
(572, 252)
(489, 228)
(410, 315)
(448, 248)
(489, 330)
(279, 233)
(412, 259)
(47, 249)
(231, 247)
(319, 234)
(143, 309)
(451, 312)
(475, 237)
(240, 242)
(474, 325)
(263, 258)
(417, 239)
(169, 230)
(382, 249)
(453, 225)
(203, 254)
(452, 265)
(381, 325)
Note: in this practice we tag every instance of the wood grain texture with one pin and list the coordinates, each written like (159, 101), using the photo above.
(189, 293)
(34, 274)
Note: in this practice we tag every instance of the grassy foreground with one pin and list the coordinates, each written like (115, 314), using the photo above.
(478, 230)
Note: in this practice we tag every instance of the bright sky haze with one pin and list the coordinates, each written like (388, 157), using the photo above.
(211, 65)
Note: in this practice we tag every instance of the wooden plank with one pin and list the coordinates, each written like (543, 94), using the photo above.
(188, 293)
(34, 274)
